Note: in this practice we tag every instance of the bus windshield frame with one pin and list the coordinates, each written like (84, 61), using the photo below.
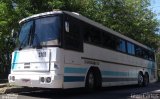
(43, 31)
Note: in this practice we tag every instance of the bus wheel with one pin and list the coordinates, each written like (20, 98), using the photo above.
(146, 80)
(140, 79)
(90, 81)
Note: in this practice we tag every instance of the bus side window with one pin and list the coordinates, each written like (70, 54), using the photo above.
(95, 36)
(73, 35)
(107, 40)
(110, 41)
(122, 45)
(138, 51)
(92, 35)
(151, 56)
(146, 54)
(130, 48)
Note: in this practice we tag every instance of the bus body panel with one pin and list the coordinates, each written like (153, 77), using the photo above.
(36, 69)
(68, 68)
(118, 68)
(33, 80)
(74, 70)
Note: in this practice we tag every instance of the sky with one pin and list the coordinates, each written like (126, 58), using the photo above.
(155, 6)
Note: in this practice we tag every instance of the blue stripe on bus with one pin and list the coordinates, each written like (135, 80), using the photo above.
(114, 73)
(104, 73)
(75, 70)
(74, 78)
(15, 59)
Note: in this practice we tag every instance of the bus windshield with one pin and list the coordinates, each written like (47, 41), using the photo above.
(40, 32)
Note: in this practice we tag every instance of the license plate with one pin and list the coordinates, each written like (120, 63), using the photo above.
(26, 80)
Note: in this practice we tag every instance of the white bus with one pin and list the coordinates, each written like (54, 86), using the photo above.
(61, 49)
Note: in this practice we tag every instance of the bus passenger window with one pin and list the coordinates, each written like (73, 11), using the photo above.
(107, 42)
(110, 41)
(92, 35)
(130, 48)
(73, 36)
(122, 45)
(151, 56)
(139, 51)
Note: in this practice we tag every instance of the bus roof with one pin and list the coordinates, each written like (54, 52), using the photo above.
(89, 21)
(39, 15)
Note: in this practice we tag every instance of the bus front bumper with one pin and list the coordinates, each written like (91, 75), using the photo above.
(40, 81)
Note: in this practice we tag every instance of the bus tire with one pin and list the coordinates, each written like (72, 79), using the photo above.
(98, 79)
(90, 81)
(146, 79)
(93, 80)
(140, 79)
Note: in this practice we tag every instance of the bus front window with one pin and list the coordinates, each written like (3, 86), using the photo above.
(44, 31)
(24, 34)
(47, 31)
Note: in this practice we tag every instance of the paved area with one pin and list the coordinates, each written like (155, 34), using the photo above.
(122, 92)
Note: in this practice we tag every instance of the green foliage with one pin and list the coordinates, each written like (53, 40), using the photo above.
(129, 17)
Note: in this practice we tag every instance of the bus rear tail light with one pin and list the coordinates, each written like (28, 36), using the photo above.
(42, 79)
(45, 79)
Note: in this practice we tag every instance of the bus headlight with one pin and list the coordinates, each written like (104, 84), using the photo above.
(13, 78)
(48, 79)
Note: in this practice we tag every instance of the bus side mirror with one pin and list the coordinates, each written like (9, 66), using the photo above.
(66, 26)
(14, 34)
